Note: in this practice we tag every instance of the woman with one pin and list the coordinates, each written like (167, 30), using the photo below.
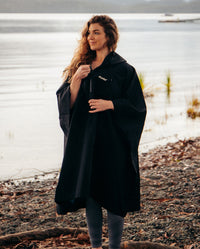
(102, 113)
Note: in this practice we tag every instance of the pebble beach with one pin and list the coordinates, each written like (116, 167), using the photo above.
(170, 204)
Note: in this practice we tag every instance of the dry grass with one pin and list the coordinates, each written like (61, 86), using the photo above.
(193, 110)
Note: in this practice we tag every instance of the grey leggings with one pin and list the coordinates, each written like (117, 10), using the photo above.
(94, 221)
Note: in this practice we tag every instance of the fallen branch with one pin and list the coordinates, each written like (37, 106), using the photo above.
(144, 245)
(16, 238)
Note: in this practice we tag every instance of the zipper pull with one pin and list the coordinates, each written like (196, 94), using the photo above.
(90, 91)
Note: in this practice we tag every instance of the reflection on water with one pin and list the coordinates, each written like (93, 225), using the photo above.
(33, 53)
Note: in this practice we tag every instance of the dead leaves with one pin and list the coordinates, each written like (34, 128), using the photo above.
(169, 208)
(54, 237)
(170, 153)
(160, 199)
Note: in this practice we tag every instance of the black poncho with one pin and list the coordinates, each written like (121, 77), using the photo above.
(101, 149)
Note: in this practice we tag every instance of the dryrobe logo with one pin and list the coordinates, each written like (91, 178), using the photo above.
(102, 78)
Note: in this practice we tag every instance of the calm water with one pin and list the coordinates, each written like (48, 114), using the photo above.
(34, 49)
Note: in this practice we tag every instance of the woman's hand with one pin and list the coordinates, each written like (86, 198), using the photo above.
(80, 74)
(99, 105)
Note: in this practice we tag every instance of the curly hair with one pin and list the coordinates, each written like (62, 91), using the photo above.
(83, 54)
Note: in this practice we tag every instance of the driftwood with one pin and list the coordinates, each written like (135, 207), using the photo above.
(144, 245)
(38, 235)
(13, 239)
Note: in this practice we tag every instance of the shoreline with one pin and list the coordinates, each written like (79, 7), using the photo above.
(169, 214)
(144, 149)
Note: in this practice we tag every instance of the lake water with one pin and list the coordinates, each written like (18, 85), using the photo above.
(34, 49)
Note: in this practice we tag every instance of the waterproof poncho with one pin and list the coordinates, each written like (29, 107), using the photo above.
(101, 149)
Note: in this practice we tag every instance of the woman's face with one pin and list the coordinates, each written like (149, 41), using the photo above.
(96, 37)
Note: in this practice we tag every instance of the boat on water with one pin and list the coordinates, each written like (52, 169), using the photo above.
(168, 14)
(179, 20)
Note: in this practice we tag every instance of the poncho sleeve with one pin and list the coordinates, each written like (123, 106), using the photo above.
(131, 101)
(130, 111)
(63, 99)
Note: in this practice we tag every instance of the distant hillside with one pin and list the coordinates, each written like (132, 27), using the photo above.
(101, 6)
